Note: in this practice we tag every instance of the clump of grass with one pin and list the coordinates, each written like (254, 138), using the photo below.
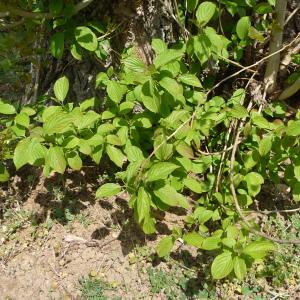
(93, 288)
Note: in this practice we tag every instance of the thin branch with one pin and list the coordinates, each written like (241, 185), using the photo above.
(236, 203)
(292, 14)
(290, 90)
(275, 44)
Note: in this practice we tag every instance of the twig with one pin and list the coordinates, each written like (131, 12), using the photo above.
(236, 203)
(292, 14)
(290, 90)
(275, 44)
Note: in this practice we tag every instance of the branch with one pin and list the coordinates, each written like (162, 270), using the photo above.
(290, 90)
(40, 15)
(236, 203)
(275, 44)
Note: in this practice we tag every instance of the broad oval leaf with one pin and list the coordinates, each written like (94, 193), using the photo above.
(115, 90)
(160, 171)
(61, 88)
(190, 79)
(86, 38)
(222, 265)
(7, 109)
(265, 145)
(116, 155)
(259, 249)
(211, 243)
(57, 44)
(193, 239)
(240, 268)
(56, 159)
(293, 128)
(165, 246)
(108, 190)
(205, 12)
(242, 27)
(142, 204)
(168, 195)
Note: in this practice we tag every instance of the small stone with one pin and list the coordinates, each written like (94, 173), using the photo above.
(93, 273)
(54, 285)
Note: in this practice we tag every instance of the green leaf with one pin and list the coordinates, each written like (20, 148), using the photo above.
(61, 88)
(116, 155)
(88, 119)
(205, 12)
(36, 152)
(56, 159)
(160, 171)
(150, 97)
(22, 119)
(116, 91)
(193, 239)
(134, 64)
(254, 181)
(265, 145)
(28, 111)
(165, 246)
(263, 8)
(222, 265)
(86, 38)
(108, 190)
(261, 122)
(190, 79)
(134, 153)
(240, 268)
(242, 27)
(4, 175)
(185, 150)
(57, 44)
(143, 202)
(164, 151)
(76, 51)
(172, 87)
(293, 128)
(167, 56)
(238, 111)
(55, 6)
(7, 109)
(211, 243)
(74, 160)
(259, 249)
(50, 111)
(149, 225)
(58, 123)
(21, 153)
(191, 5)
(168, 195)
(158, 46)
(194, 185)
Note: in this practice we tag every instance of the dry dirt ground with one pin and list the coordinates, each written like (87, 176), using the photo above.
(52, 237)
(54, 234)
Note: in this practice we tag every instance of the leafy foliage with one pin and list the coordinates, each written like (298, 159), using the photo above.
(170, 150)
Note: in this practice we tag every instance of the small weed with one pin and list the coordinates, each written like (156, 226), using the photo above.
(93, 288)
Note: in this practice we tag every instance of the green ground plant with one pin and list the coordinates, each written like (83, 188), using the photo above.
(176, 138)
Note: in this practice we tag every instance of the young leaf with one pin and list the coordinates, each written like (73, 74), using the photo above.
(265, 145)
(4, 175)
(57, 44)
(165, 246)
(7, 109)
(205, 12)
(194, 185)
(21, 153)
(190, 79)
(168, 195)
(222, 265)
(150, 97)
(167, 56)
(160, 171)
(86, 38)
(240, 268)
(116, 91)
(23, 120)
(158, 46)
(116, 155)
(108, 190)
(193, 239)
(293, 128)
(142, 203)
(172, 87)
(134, 153)
(149, 225)
(61, 88)
(254, 181)
(259, 249)
(74, 160)
(242, 27)
(211, 243)
(56, 159)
